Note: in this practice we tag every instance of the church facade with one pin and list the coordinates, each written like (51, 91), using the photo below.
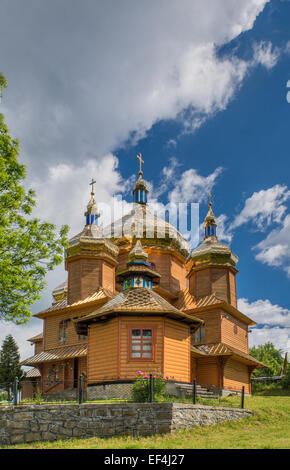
(141, 302)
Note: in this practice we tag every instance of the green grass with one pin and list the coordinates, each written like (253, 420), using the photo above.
(268, 428)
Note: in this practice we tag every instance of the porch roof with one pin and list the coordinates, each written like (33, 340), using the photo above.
(57, 354)
(221, 349)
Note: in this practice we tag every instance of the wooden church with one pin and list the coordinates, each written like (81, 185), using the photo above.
(138, 301)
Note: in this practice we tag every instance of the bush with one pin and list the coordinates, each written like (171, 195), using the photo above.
(285, 382)
(141, 387)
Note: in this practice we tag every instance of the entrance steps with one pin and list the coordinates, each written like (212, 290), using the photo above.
(201, 391)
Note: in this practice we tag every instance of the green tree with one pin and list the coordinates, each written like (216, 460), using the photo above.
(28, 247)
(270, 356)
(10, 368)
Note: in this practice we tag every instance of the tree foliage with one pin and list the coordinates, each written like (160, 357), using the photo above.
(10, 368)
(270, 356)
(28, 247)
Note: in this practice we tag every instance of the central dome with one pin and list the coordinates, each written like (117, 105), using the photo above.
(141, 223)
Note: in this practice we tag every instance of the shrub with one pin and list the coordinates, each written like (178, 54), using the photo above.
(141, 387)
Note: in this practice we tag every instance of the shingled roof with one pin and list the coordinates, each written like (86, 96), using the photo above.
(139, 300)
(221, 349)
(57, 354)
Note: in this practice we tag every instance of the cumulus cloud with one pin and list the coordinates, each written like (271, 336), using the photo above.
(264, 207)
(93, 77)
(274, 250)
(191, 186)
(264, 312)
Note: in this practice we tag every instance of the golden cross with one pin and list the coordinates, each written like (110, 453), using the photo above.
(140, 160)
(92, 184)
(209, 196)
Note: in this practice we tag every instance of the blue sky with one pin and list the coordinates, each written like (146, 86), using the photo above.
(200, 91)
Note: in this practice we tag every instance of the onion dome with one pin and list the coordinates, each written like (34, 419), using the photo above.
(91, 238)
(209, 222)
(140, 192)
(139, 272)
(141, 223)
(211, 249)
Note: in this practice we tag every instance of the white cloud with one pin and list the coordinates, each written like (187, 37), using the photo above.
(264, 207)
(265, 54)
(278, 336)
(275, 320)
(191, 186)
(274, 250)
(90, 82)
(66, 192)
(264, 312)
(224, 232)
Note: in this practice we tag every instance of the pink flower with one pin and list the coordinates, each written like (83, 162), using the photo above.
(167, 377)
(139, 372)
(154, 376)
(145, 377)
(142, 386)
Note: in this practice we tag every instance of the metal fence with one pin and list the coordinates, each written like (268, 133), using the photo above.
(39, 391)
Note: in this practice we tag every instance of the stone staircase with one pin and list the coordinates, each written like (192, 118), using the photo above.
(203, 392)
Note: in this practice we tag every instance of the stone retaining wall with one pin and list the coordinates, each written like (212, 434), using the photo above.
(28, 423)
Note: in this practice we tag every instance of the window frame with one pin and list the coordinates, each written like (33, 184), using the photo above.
(141, 327)
(63, 331)
(204, 335)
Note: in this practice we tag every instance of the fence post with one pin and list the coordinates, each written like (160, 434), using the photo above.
(243, 397)
(15, 391)
(81, 390)
(194, 391)
(151, 386)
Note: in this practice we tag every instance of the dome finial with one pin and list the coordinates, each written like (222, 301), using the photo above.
(140, 191)
(209, 221)
(140, 161)
(92, 213)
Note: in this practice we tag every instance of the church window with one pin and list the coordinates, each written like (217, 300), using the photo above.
(199, 335)
(141, 343)
(63, 331)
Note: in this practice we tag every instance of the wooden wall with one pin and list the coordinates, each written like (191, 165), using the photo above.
(102, 359)
(212, 325)
(233, 290)
(236, 374)
(234, 333)
(177, 361)
(86, 275)
(51, 329)
(214, 280)
(207, 372)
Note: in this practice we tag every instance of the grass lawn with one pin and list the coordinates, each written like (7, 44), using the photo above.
(269, 428)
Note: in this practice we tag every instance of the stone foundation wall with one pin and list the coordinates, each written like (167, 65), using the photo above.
(28, 423)
(107, 391)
